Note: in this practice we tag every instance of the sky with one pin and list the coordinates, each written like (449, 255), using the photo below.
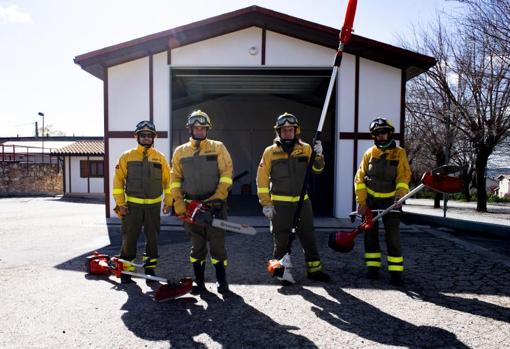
(39, 39)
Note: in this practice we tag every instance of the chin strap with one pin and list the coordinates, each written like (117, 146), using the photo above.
(386, 144)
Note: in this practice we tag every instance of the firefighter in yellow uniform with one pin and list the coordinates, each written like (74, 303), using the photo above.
(141, 175)
(202, 170)
(383, 178)
(280, 177)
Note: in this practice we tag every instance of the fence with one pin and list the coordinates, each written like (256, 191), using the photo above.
(27, 154)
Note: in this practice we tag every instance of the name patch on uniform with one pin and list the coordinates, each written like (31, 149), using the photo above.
(157, 165)
(211, 157)
(302, 159)
(394, 162)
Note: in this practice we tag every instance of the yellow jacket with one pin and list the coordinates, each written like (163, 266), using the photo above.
(201, 170)
(280, 176)
(139, 181)
(382, 174)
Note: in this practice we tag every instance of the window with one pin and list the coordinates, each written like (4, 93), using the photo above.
(91, 168)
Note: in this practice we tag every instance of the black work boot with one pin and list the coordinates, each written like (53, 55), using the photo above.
(151, 272)
(126, 279)
(221, 277)
(199, 270)
(319, 276)
(396, 278)
(372, 273)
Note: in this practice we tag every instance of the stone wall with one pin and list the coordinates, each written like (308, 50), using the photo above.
(33, 178)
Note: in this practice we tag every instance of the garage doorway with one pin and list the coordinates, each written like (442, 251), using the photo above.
(243, 105)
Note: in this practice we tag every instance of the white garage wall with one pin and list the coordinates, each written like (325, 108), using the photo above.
(282, 50)
(226, 50)
(79, 184)
(161, 97)
(379, 93)
(128, 94)
(346, 94)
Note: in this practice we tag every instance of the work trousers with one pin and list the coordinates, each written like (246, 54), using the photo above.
(201, 235)
(281, 226)
(146, 216)
(391, 222)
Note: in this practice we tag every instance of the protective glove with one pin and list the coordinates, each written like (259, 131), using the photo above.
(166, 209)
(362, 209)
(399, 206)
(269, 211)
(317, 147)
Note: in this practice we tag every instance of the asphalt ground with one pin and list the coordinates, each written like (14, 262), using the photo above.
(456, 293)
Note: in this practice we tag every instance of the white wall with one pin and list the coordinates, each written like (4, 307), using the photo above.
(128, 94)
(226, 50)
(282, 50)
(77, 184)
(504, 187)
(379, 93)
(161, 90)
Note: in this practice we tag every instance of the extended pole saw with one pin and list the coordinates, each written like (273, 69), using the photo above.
(280, 268)
(437, 180)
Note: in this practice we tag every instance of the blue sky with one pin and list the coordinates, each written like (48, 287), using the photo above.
(39, 39)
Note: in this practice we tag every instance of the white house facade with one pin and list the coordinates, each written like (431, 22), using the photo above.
(244, 68)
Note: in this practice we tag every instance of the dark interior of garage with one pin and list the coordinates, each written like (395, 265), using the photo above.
(243, 105)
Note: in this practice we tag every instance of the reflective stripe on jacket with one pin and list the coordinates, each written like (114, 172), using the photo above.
(141, 179)
(280, 176)
(382, 174)
(200, 170)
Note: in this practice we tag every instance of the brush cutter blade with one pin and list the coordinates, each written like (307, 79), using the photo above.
(171, 290)
(97, 264)
(342, 241)
(442, 183)
(446, 169)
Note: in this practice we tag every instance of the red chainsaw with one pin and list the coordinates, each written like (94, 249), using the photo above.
(101, 264)
(437, 180)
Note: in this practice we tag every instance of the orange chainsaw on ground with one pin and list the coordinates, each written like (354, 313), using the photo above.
(101, 264)
(437, 180)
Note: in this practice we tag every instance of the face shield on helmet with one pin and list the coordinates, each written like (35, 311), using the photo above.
(198, 118)
(145, 129)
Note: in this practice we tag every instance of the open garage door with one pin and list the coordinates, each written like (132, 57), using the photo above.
(243, 105)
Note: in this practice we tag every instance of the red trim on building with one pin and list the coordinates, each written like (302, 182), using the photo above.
(151, 88)
(106, 145)
(263, 48)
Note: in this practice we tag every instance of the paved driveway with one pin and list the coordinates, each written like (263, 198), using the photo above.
(457, 294)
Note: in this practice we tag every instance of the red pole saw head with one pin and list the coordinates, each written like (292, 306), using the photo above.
(171, 291)
(198, 213)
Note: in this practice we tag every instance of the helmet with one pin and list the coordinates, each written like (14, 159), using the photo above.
(198, 116)
(145, 125)
(287, 119)
(381, 124)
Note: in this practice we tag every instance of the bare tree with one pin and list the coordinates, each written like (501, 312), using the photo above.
(467, 92)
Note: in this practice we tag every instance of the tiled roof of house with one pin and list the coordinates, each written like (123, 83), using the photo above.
(82, 148)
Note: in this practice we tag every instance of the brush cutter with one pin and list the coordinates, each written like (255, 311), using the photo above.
(101, 264)
(437, 180)
(280, 268)
(200, 213)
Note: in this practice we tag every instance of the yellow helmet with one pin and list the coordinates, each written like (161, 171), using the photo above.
(381, 124)
(287, 119)
(198, 116)
(145, 125)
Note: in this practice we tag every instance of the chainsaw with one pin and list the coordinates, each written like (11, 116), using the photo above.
(202, 214)
(101, 264)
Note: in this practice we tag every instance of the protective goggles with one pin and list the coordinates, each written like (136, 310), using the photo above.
(286, 119)
(378, 123)
(200, 119)
(145, 123)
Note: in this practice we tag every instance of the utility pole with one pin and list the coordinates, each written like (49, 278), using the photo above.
(36, 130)
(42, 114)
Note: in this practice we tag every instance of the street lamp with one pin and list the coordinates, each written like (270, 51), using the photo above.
(42, 114)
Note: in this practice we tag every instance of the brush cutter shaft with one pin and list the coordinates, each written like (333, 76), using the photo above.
(399, 202)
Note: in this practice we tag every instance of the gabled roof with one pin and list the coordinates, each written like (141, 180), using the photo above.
(94, 62)
(95, 148)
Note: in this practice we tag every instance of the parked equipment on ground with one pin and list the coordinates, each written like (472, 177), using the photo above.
(437, 180)
(101, 264)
